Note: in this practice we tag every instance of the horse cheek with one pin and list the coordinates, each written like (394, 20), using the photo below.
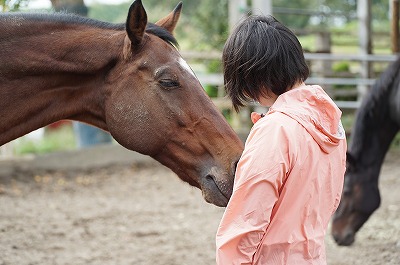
(130, 125)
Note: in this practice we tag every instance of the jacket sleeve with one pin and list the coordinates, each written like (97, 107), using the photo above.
(259, 177)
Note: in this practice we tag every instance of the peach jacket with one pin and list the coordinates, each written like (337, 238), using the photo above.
(288, 183)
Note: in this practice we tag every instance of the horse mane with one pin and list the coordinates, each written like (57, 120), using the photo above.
(373, 109)
(69, 18)
(162, 33)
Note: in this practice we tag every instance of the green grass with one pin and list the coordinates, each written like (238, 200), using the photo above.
(59, 139)
(347, 121)
(395, 145)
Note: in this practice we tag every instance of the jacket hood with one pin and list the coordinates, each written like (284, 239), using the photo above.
(315, 111)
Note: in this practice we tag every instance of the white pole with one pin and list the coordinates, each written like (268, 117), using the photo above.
(261, 7)
(364, 31)
(237, 10)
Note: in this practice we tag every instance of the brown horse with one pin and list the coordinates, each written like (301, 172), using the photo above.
(127, 79)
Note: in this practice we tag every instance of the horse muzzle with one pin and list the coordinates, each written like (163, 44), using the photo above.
(344, 239)
(217, 187)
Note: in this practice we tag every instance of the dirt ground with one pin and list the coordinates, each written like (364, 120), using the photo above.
(145, 215)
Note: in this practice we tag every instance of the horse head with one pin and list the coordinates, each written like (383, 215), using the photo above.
(360, 198)
(155, 105)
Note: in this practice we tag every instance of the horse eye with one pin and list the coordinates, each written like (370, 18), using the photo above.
(169, 83)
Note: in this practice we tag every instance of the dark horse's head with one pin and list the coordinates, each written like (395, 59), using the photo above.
(155, 105)
(359, 200)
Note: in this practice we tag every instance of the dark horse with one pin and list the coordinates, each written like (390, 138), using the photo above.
(376, 124)
(127, 79)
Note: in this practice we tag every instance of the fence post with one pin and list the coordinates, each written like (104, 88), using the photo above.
(323, 68)
(237, 10)
(364, 20)
(395, 25)
(261, 7)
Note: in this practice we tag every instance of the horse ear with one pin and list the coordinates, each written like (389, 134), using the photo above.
(136, 22)
(169, 22)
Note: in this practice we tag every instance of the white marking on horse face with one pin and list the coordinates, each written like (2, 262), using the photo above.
(185, 66)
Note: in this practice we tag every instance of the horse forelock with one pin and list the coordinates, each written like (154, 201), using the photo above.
(373, 108)
(162, 33)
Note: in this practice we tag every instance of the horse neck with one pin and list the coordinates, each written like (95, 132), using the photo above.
(375, 142)
(52, 72)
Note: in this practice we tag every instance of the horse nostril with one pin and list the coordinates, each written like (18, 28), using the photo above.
(210, 177)
(346, 240)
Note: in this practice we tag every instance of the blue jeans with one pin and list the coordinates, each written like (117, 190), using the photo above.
(88, 135)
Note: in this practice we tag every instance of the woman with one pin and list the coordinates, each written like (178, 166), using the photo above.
(289, 179)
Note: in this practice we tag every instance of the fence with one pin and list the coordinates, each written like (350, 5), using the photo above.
(240, 122)
(330, 81)
(323, 79)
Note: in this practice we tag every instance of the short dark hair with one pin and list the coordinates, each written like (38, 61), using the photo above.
(261, 53)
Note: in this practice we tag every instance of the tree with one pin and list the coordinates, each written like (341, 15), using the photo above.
(12, 5)
(210, 17)
(72, 6)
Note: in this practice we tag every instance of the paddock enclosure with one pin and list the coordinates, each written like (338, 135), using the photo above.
(141, 213)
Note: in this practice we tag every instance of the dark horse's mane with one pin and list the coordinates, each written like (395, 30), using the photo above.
(374, 108)
(75, 19)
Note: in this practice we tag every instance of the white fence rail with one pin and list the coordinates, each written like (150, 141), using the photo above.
(216, 79)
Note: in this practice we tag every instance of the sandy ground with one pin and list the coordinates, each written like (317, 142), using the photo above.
(146, 215)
